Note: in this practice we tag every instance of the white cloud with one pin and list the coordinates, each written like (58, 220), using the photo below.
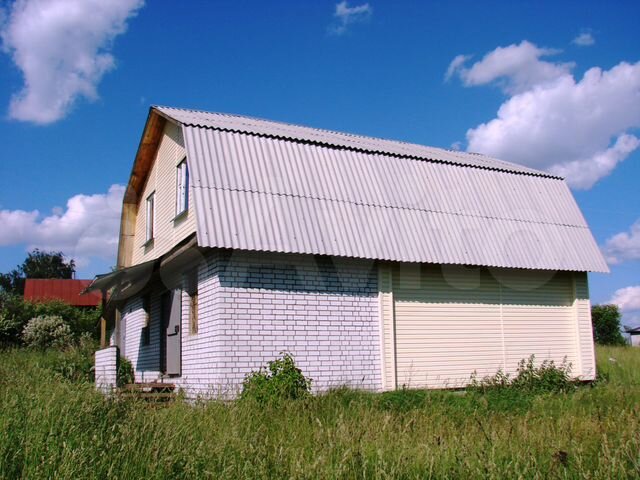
(88, 227)
(456, 65)
(515, 68)
(62, 48)
(346, 15)
(628, 299)
(624, 246)
(581, 129)
(585, 39)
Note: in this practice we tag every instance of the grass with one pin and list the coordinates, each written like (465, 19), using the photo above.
(55, 428)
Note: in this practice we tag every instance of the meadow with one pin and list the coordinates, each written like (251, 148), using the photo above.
(52, 427)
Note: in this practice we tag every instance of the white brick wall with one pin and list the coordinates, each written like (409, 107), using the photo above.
(106, 369)
(144, 358)
(253, 306)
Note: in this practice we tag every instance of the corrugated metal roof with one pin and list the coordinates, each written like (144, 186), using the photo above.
(256, 126)
(260, 191)
(68, 291)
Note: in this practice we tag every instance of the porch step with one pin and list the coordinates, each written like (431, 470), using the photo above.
(154, 392)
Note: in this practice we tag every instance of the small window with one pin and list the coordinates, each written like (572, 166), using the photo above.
(151, 213)
(146, 329)
(192, 290)
(182, 187)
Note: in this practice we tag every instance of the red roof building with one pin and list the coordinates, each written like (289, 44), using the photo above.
(68, 291)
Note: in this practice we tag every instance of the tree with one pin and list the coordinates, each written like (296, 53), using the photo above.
(38, 264)
(606, 325)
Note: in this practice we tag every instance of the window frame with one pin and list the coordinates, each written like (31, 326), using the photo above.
(182, 188)
(150, 212)
(192, 292)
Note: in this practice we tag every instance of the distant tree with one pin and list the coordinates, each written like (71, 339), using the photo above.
(38, 264)
(606, 325)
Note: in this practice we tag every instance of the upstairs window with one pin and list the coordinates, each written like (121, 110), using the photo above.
(151, 213)
(182, 187)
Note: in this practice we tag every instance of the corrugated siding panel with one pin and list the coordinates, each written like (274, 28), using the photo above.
(162, 180)
(268, 194)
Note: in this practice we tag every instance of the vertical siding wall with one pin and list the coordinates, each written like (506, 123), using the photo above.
(162, 180)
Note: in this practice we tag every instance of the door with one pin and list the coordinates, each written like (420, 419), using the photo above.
(172, 339)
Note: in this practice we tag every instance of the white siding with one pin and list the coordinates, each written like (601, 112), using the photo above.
(162, 180)
(451, 322)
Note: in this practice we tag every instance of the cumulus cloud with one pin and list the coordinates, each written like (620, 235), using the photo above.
(577, 128)
(628, 299)
(62, 49)
(515, 68)
(88, 227)
(624, 246)
(346, 16)
(585, 39)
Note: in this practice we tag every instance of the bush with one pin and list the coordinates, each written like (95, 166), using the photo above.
(606, 325)
(547, 377)
(15, 313)
(47, 331)
(125, 374)
(76, 363)
(281, 380)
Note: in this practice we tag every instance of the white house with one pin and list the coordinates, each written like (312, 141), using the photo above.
(378, 264)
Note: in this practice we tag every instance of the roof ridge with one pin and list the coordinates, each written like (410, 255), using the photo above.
(502, 165)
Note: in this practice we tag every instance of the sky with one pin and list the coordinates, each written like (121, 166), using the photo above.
(552, 85)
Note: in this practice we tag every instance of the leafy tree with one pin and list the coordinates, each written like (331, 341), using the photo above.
(606, 325)
(38, 264)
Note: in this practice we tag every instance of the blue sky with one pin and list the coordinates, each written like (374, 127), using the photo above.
(78, 78)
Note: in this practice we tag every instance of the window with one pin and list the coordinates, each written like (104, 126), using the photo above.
(182, 187)
(146, 329)
(192, 290)
(151, 213)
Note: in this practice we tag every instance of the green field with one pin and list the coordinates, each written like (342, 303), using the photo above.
(54, 428)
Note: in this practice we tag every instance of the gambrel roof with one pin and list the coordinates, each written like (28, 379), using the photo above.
(269, 186)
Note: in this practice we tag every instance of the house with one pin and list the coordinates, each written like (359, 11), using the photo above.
(634, 335)
(65, 290)
(378, 264)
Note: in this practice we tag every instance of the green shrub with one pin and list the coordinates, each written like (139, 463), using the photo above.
(10, 329)
(46, 331)
(547, 377)
(76, 362)
(125, 373)
(281, 380)
(606, 325)
(15, 313)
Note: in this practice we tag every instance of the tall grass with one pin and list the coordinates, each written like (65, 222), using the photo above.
(55, 428)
